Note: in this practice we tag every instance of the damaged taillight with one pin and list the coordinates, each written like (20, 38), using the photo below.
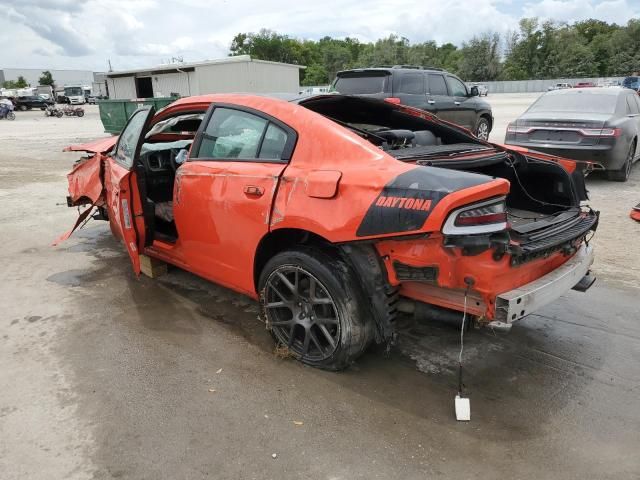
(483, 217)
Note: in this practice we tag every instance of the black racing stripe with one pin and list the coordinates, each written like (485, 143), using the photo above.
(404, 204)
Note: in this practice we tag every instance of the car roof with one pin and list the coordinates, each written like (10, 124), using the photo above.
(613, 91)
(395, 68)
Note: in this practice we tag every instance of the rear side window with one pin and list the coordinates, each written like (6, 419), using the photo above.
(275, 139)
(412, 84)
(235, 134)
(232, 134)
(456, 87)
(363, 84)
(632, 106)
(437, 85)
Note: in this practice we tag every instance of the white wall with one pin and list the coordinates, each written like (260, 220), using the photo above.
(122, 87)
(524, 86)
(223, 78)
(166, 83)
(271, 78)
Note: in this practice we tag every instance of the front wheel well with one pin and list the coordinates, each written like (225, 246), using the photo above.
(283, 239)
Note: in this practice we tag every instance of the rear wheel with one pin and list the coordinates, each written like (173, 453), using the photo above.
(80, 113)
(11, 116)
(622, 174)
(482, 129)
(23, 108)
(312, 305)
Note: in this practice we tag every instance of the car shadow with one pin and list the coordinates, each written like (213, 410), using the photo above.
(538, 368)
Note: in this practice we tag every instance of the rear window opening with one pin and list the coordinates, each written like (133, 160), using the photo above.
(389, 127)
(576, 102)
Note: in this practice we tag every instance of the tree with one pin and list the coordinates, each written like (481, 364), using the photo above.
(46, 79)
(536, 50)
(19, 83)
(480, 58)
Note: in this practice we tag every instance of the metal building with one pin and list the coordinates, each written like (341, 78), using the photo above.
(231, 74)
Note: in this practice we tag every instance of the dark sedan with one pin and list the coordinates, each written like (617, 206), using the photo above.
(601, 125)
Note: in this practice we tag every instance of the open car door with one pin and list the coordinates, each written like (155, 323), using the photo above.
(123, 199)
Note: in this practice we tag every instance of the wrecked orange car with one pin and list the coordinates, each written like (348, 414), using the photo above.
(333, 211)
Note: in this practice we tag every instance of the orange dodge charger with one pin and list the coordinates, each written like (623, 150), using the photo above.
(336, 211)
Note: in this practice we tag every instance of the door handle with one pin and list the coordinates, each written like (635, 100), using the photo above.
(431, 102)
(253, 191)
(457, 103)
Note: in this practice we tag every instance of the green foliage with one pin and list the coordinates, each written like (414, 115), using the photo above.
(46, 79)
(536, 50)
(19, 83)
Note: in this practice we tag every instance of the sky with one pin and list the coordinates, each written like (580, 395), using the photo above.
(85, 34)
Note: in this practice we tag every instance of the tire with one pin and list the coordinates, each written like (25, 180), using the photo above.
(11, 116)
(80, 113)
(483, 129)
(622, 174)
(59, 114)
(300, 287)
(22, 108)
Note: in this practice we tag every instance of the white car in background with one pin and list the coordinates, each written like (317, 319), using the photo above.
(559, 86)
(483, 90)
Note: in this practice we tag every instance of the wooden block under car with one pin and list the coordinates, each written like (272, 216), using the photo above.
(152, 267)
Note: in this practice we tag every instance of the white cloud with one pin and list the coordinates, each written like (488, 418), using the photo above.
(613, 11)
(132, 33)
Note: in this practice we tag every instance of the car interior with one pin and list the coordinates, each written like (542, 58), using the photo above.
(165, 148)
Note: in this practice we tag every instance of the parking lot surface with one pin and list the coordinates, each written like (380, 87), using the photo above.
(105, 375)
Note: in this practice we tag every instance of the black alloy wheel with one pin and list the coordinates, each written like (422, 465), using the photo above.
(303, 316)
(312, 303)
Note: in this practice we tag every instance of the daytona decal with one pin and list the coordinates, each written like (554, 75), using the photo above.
(406, 202)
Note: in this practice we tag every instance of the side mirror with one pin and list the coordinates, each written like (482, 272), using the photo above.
(474, 92)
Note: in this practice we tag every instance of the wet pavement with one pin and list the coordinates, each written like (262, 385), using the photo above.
(109, 376)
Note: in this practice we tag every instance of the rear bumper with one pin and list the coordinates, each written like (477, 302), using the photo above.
(517, 303)
(607, 156)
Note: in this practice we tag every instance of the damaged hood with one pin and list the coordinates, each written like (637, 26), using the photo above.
(101, 145)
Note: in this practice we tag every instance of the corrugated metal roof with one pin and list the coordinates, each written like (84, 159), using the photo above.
(173, 67)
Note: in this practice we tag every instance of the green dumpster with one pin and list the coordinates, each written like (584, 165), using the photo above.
(115, 113)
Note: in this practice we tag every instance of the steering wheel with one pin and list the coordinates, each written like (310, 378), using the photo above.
(173, 153)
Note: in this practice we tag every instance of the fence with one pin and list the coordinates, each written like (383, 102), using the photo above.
(526, 86)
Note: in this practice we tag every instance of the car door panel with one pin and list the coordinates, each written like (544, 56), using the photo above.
(438, 100)
(222, 210)
(463, 112)
(122, 196)
(222, 202)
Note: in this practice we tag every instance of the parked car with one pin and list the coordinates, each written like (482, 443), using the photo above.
(600, 125)
(584, 85)
(632, 82)
(329, 209)
(559, 86)
(34, 101)
(483, 90)
(429, 89)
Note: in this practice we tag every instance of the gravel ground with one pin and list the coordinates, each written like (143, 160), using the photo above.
(109, 376)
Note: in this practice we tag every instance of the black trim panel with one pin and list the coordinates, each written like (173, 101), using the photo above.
(404, 204)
